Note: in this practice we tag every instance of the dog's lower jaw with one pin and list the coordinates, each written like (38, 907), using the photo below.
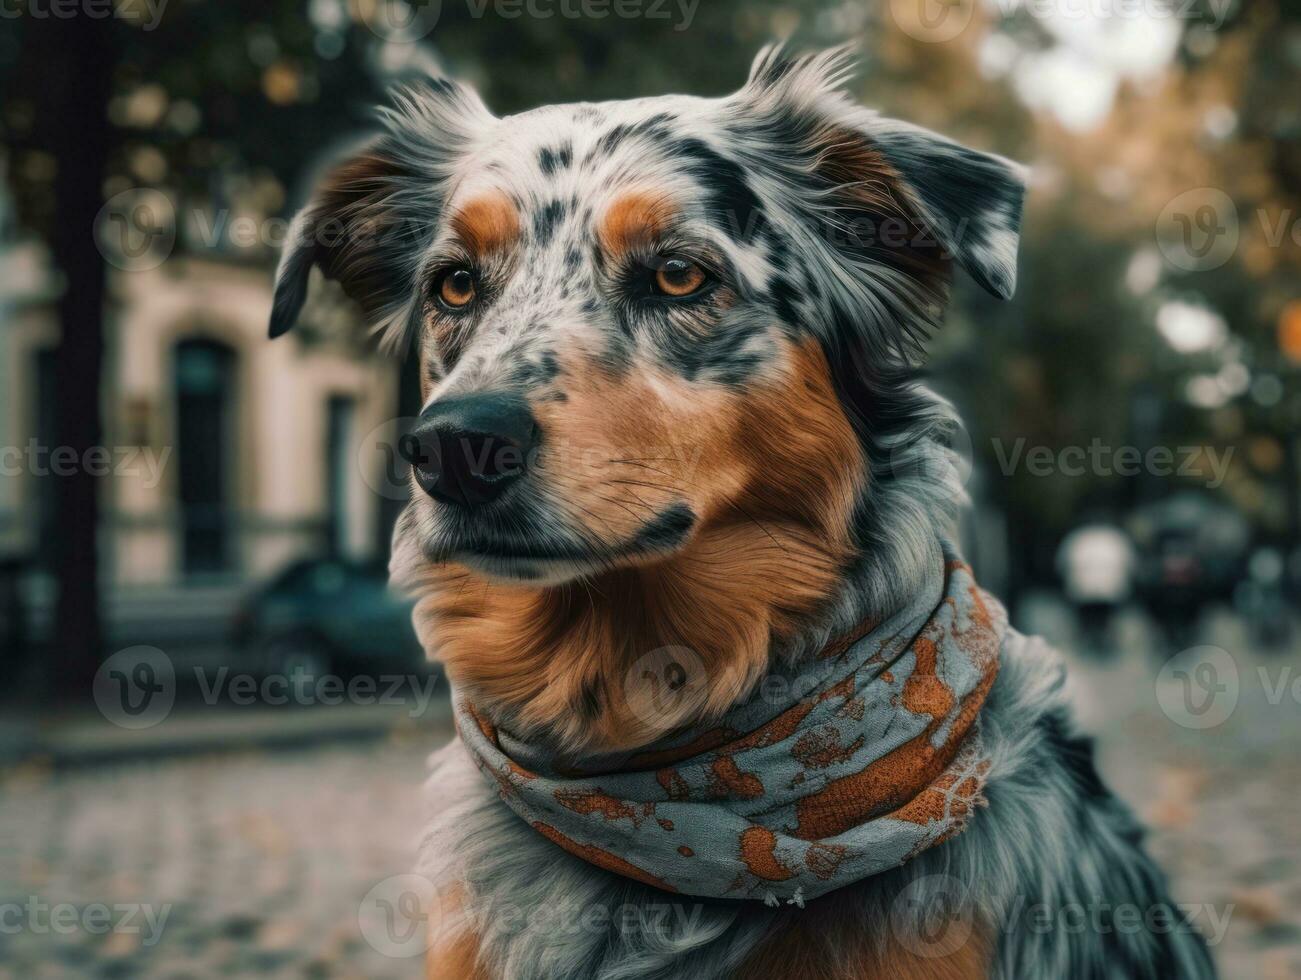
(524, 571)
(553, 661)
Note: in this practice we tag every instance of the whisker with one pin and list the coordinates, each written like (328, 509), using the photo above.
(595, 517)
(620, 503)
(731, 503)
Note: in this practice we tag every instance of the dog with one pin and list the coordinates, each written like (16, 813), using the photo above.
(729, 702)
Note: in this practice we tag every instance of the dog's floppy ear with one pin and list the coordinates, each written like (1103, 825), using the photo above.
(970, 201)
(372, 214)
(342, 231)
(967, 202)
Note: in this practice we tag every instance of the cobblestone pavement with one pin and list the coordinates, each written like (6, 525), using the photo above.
(1223, 801)
(262, 861)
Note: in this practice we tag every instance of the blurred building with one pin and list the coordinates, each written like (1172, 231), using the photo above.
(230, 455)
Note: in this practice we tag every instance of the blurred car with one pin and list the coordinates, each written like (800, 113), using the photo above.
(328, 616)
(1193, 551)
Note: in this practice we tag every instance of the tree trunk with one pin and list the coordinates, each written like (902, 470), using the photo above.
(79, 77)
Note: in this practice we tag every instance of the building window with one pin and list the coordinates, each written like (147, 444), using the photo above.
(205, 377)
(340, 473)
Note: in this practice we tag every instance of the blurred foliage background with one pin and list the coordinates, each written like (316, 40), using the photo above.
(1126, 113)
(1158, 309)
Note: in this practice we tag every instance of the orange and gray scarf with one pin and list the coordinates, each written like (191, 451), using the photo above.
(878, 758)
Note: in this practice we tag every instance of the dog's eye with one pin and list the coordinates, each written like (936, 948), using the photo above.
(456, 288)
(678, 277)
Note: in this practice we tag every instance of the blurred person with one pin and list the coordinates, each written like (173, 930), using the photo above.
(1096, 562)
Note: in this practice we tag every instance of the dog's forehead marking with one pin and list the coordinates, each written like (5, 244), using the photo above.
(635, 217)
(587, 185)
(487, 222)
(569, 160)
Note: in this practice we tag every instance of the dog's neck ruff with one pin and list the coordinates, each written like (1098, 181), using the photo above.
(837, 769)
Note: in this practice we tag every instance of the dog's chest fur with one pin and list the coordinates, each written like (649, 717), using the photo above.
(1050, 835)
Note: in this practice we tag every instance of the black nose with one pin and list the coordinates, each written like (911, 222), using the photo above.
(467, 450)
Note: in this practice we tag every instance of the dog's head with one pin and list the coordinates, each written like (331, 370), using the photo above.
(639, 321)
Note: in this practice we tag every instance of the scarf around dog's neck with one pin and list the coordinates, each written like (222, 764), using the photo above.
(870, 756)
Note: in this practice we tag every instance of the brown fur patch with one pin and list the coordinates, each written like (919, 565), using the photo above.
(349, 210)
(633, 220)
(826, 941)
(871, 185)
(487, 223)
(457, 959)
(454, 947)
(773, 505)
